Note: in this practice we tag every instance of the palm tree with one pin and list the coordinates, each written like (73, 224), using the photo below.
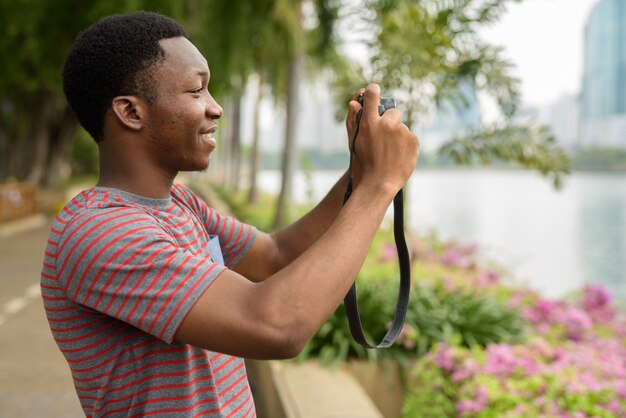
(270, 62)
(316, 44)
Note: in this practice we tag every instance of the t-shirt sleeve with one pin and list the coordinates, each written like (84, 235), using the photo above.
(122, 263)
(235, 237)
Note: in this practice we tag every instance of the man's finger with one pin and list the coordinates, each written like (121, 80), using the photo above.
(356, 95)
(371, 99)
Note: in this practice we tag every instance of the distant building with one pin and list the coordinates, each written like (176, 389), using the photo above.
(316, 128)
(603, 98)
(561, 117)
(450, 119)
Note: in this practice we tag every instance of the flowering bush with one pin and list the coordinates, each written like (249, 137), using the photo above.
(575, 366)
(468, 322)
(436, 312)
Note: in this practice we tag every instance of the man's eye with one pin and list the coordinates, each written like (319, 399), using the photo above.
(198, 91)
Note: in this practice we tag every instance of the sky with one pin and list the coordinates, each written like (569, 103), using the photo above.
(544, 39)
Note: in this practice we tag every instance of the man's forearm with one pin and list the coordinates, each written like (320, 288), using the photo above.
(296, 238)
(305, 293)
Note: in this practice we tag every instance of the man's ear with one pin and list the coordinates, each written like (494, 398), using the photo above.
(129, 111)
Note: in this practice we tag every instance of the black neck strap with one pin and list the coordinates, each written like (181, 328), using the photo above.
(402, 303)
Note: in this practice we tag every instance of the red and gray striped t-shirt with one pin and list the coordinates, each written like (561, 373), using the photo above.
(120, 273)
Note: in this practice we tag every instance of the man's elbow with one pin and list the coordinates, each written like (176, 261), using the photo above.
(285, 341)
(292, 347)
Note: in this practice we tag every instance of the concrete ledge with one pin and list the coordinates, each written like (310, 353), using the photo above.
(21, 225)
(288, 389)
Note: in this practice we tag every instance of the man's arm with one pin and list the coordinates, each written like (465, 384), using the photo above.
(276, 317)
(272, 252)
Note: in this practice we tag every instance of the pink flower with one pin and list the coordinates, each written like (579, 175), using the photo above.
(465, 370)
(406, 336)
(451, 257)
(487, 278)
(590, 382)
(387, 253)
(614, 407)
(577, 322)
(597, 302)
(474, 406)
(545, 311)
(444, 357)
(516, 299)
(449, 284)
(595, 297)
(503, 360)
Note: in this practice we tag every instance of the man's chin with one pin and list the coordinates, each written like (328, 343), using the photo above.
(197, 166)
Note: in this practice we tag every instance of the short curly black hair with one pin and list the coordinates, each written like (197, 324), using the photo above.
(113, 57)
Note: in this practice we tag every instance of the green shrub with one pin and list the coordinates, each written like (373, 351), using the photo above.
(434, 315)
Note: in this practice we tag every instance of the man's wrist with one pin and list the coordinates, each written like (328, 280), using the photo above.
(378, 187)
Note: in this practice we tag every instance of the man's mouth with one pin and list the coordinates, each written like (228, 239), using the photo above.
(208, 135)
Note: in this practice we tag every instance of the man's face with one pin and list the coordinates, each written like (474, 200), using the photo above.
(181, 120)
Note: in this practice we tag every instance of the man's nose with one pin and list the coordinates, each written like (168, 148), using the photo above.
(213, 109)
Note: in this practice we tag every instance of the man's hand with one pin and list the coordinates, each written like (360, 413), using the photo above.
(386, 151)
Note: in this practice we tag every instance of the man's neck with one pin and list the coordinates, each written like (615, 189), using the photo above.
(136, 178)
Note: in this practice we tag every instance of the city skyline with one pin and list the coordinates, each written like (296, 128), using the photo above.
(544, 39)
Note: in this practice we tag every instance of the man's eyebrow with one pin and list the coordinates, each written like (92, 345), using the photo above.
(202, 73)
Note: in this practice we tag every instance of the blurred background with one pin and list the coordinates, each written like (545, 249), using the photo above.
(492, 85)
(520, 107)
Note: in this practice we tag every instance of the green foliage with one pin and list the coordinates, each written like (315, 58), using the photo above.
(432, 317)
(435, 315)
(35, 36)
(600, 159)
(84, 155)
(439, 315)
(307, 170)
(432, 394)
(529, 146)
(429, 53)
(258, 215)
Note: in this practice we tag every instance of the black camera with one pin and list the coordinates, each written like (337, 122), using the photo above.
(384, 103)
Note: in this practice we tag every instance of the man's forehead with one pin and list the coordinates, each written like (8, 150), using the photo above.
(181, 53)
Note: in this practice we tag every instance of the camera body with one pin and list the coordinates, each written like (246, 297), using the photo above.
(384, 103)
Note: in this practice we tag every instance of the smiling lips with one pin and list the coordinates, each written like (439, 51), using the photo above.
(208, 135)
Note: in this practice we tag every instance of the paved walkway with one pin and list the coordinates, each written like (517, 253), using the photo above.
(34, 377)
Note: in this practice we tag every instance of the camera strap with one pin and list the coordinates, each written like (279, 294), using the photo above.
(402, 302)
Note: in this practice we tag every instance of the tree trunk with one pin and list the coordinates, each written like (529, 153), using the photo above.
(38, 142)
(220, 162)
(289, 151)
(62, 135)
(253, 194)
(4, 155)
(235, 145)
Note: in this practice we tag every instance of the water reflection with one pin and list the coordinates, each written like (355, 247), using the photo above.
(602, 243)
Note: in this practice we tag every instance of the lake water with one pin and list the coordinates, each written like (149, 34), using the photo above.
(552, 241)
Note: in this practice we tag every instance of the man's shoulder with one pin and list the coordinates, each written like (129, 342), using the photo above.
(96, 205)
(95, 199)
(188, 197)
(180, 191)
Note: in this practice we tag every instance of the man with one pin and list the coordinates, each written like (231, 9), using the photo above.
(152, 297)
